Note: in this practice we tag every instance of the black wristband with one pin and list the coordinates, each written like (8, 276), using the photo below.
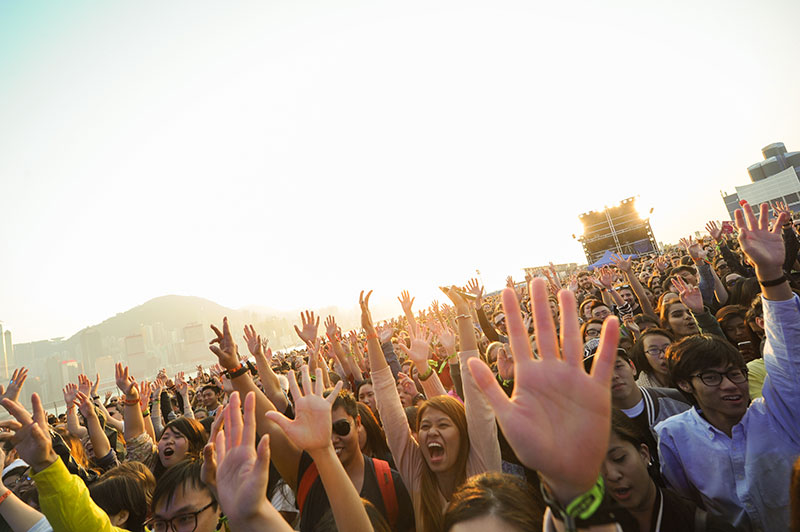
(774, 282)
(238, 372)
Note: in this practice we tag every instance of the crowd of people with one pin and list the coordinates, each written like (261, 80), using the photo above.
(656, 393)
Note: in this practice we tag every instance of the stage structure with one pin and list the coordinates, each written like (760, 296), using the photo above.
(618, 229)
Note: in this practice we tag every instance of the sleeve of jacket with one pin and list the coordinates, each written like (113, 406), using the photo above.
(64, 499)
(792, 247)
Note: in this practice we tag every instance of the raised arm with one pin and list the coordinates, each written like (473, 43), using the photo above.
(311, 430)
(348, 364)
(269, 380)
(183, 392)
(481, 424)
(97, 435)
(626, 266)
(563, 436)
(242, 470)
(406, 302)
(285, 455)
(418, 354)
(134, 422)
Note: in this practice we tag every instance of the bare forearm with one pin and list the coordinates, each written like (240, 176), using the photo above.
(73, 425)
(18, 515)
(134, 422)
(98, 437)
(271, 383)
(348, 510)
(638, 290)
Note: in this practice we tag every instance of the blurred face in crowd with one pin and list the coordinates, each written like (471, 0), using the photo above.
(209, 398)
(584, 281)
(439, 440)
(623, 383)
(346, 446)
(500, 323)
(730, 280)
(655, 349)
(184, 502)
(592, 331)
(601, 312)
(688, 277)
(680, 320)
(366, 395)
(627, 295)
(554, 310)
(172, 447)
(723, 269)
(405, 397)
(625, 474)
(736, 329)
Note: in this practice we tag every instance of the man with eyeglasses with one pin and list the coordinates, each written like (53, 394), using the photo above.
(727, 454)
(182, 503)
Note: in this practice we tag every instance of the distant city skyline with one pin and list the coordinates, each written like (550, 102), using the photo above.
(289, 154)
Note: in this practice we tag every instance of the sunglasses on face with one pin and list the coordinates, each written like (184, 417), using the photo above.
(341, 427)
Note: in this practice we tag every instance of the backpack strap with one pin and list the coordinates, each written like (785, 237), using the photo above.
(386, 483)
(304, 486)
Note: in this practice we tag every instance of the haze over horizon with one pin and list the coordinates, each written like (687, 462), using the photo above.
(290, 154)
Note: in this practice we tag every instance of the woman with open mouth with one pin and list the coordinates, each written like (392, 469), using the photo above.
(454, 441)
(627, 476)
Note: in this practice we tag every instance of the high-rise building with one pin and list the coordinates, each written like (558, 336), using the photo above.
(91, 348)
(195, 347)
(773, 179)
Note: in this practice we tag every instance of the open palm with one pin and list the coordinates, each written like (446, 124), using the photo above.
(242, 470)
(311, 427)
(557, 419)
(762, 246)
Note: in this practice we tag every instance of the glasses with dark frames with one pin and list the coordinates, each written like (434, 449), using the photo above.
(180, 523)
(714, 378)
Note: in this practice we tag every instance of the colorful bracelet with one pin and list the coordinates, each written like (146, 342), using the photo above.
(4, 496)
(131, 402)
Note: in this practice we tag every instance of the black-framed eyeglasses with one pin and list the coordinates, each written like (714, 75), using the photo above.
(180, 523)
(592, 333)
(341, 427)
(714, 378)
(656, 351)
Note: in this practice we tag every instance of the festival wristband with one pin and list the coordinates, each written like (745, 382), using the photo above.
(774, 282)
(580, 509)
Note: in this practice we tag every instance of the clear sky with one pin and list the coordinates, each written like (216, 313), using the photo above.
(290, 153)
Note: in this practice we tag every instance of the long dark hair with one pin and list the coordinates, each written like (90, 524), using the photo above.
(638, 355)
(195, 435)
(376, 439)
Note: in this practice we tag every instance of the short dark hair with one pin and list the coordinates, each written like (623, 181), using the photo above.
(345, 400)
(213, 387)
(184, 473)
(129, 486)
(696, 353)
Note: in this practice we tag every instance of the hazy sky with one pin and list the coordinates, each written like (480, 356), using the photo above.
(290, 153)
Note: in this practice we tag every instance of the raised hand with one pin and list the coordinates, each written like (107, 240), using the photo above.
(573, 283)
(690, 295)
(331, 329)
(158, 385)
(70, 391)
(84, 384)
(385, 333)
(622, 264)
(420, 348)
(242, 470)
(563, 436)
(446, 337)
(695, 250)
(125, 382)
(714, 230)
(406, 301)
(180, 384)
(780, 207)
(505, 363)
(310, 327)
(311, 427)
(407, 383)
(226, 350)
(253, 341)
(144, 394)
(761, 245)
(95, 385)
(15, 385)
(661, 263)
(366, 316)
(85, 405)
(475, 288)
(32, 435)
(460, 304)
